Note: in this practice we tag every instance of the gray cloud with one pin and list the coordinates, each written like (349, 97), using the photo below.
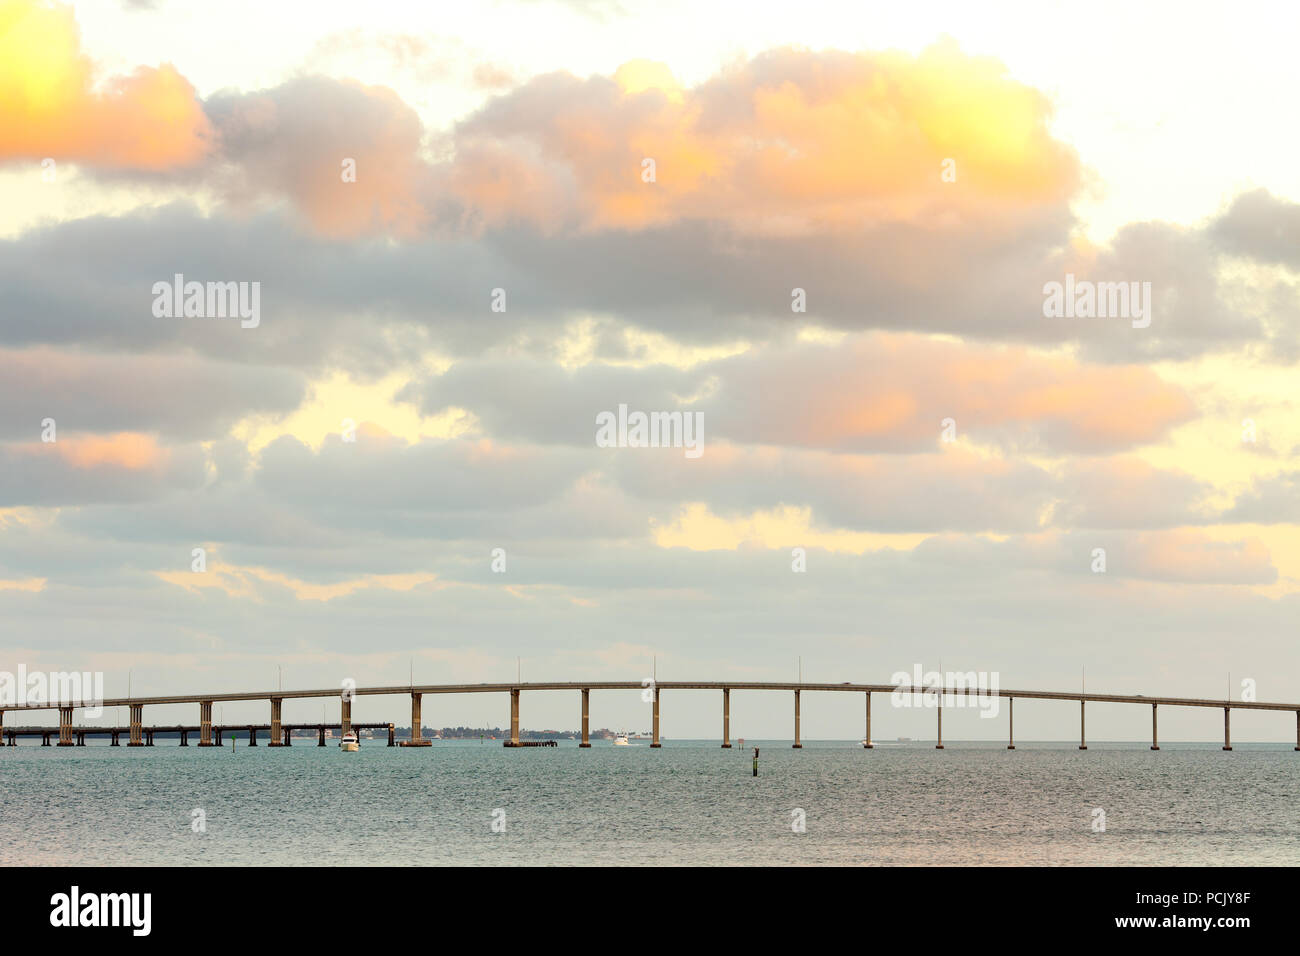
(1262, 227)
(865, 394)
(37, 474)
(179, 396)
(1272, 500)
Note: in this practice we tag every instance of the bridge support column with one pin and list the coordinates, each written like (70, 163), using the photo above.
(1083, 741)
(205, 723)
(65, 726)
(1297, 732)
(798, 744)
(726, 718)
(136, 735)
(81, 740)
(45, 740)
(218, 732)
(654, 730)
(1155, 738)
(1011, 724)
(392, 736)
(345, 718)
(417, 726)
(867, 742)
(320, 741)
(114, 742)
(514, 717)
(939, 745)
(1227, 728)
(586, 719)
(2, 728)
(252, 736)
(185, 737)
(276, 704)
(148, 738)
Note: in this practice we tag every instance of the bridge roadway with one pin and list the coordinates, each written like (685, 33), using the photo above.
(216, 731)
(417, 691)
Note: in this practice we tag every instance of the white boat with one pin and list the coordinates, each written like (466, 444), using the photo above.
(621, 741)
(349, 743)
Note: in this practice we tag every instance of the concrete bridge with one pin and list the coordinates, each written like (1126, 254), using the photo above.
(70, 736)
(136, 731)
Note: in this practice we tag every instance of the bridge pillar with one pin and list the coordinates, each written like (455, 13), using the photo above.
(1083, 742)
(218, 733)
(252, 736)
(1227, 731)
(276, 705)
(514, 717)
(2, 727)
(586, 718)
(45, 740)
(136, 734)
(417, 726)
(148, 738)
(205, 723)
(81, 739)
(798, 744)
(1297, 732)
(726, 718)
(1011, 724)
(939, 745)
(1155, 739)
(65, 726)
(115, 743)
(654, 720)
(320, 741)
(867, 742)
(345, 717)
(392, 734)
(185, 737)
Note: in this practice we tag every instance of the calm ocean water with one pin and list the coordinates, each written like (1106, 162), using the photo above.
(688, 803)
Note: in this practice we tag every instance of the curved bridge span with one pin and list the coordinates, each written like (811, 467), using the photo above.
(416, 692)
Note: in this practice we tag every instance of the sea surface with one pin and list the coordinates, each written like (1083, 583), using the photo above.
(688, 803)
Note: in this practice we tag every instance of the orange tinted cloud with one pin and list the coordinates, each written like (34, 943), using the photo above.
(1191, 556)
(129, 450)
(50, 105)
(788, 142)
(784, 141)
(890, 391)
(1099, 406)
(346, 154)
(243, 582)
(35, 585)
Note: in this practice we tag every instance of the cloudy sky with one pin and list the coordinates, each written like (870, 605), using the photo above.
(648, 185)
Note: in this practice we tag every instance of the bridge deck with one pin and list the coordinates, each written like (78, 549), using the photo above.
(101, 730)
(666, 685)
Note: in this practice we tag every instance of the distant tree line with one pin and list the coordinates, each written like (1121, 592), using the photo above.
(464, 733)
